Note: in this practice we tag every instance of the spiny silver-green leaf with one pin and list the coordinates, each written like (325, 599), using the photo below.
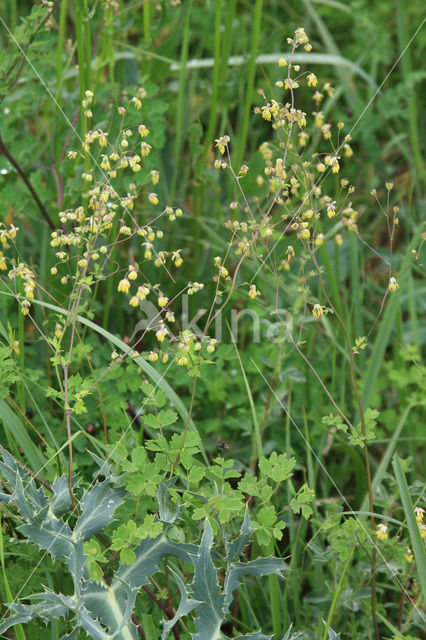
(259, 567)
(61, 496)
(31, 502)
(205, 587)
(27, 612)
(53, 535)
(112, 605)
(237, 546)
(10, 468)
(97, 509)
(6, 498)
(186, 605)
(92, 627)
(148, 554)
(286, 636)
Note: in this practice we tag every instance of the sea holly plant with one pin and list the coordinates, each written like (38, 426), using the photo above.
(103, 600)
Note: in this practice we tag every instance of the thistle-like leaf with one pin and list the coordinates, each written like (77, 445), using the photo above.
(31, 502)
(92, 627)
(186, 605)
(286, 636)
(237, 546)
(111, 605)
(5, 498)
(46, 610)
(259, 567)
(10, 468)
(97, 509)
(53, 535)
(61, 496)
(205, 587)
(148, 554)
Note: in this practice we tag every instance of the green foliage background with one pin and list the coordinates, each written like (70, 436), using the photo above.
(201, 63)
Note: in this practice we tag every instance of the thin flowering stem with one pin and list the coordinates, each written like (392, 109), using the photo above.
(68, 410)
(234, 175)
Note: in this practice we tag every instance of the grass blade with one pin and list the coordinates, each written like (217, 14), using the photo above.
(251, 74)
(413, 529)
(14, 426)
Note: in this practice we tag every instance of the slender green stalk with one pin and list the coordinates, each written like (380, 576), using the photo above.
(411, 97)
(107, 41)
(413, 528)
(60, 46)
(109, 294)
(199, 200)
(227, 38)
(87, 47)
(59, 71)
(356, 290)
(309, 460)
(386, 457)
(336, 597)
(21, 341)
(296, 569)
(413, 311)
(274, 595)
(215, 86)
(13, 15)
(79, 27)
(331, 277)
(148, 627)
(251, 74)
(146, 22)
(182, 96)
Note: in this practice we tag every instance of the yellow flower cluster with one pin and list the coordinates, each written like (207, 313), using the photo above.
(382, 532)
(222, 143)
(26, 275)
(317, 311)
